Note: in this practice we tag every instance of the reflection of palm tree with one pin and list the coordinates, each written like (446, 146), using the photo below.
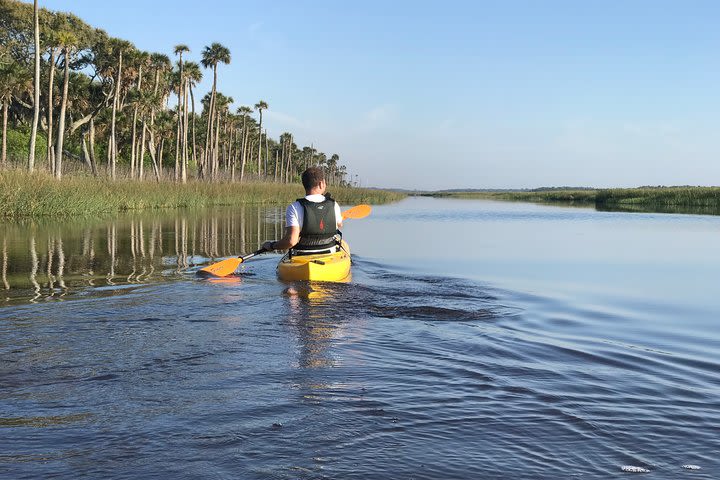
(61, 265)
(34, 268)
(5, 265)
(111, 246)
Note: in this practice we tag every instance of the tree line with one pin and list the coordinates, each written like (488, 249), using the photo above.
(86, 101)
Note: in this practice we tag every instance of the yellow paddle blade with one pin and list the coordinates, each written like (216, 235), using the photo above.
(223, 268)
(359, 211)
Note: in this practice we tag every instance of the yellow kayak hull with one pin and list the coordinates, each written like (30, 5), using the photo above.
(329, 267)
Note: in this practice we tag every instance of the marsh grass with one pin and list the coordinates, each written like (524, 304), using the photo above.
(550, 196)
(661, 196)
(670, 199)
(39, 195)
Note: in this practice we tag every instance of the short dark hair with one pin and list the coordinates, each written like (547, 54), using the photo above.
(312, 177)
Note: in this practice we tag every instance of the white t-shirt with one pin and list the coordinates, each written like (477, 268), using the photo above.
(295, 213)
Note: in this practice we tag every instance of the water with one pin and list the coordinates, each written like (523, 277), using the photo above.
(475, 340)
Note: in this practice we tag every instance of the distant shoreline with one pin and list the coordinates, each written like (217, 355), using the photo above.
(701, 200)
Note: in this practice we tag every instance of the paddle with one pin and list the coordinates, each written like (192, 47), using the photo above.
(229, 265)
(359, 211)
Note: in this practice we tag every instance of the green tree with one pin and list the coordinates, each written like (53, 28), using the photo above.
(14, 79)
(211, 56)
(244, 112)
(120, 47)
(193, 76)
(69, 41)
(181, 138)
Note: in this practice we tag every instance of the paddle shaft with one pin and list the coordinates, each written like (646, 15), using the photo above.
(250, 255)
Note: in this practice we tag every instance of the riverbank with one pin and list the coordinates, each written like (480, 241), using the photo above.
(25, 195)
(663, 199)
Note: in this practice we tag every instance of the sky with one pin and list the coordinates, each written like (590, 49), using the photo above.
(463, 94)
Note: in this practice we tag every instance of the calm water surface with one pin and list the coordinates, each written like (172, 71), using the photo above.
(475, 340)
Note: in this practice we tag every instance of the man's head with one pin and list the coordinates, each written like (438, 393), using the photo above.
(313, 178)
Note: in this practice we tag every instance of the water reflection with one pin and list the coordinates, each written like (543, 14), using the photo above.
(316, 320)
(46, 259)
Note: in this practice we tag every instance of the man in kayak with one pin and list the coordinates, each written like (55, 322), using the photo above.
(312, 222)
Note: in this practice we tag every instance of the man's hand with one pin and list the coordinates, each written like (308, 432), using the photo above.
(269, 245)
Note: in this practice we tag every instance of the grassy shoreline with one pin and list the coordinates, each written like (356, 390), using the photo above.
(24, 195)
(673, 199)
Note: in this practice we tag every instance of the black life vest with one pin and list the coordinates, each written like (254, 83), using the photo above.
(319, 224)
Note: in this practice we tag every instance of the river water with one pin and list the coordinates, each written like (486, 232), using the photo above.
(476, 339)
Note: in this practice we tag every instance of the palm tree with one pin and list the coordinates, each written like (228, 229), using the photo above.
(147, 102)
(260, 106)
(285, 147)
(222, 108)
(120, 46)
(36, 88)
(288, 168)
(164, 129)
(68, 40)
(151, 102)
(142, 60)
(244, 111)
(193, 76)
(333, 163)
(53, 51)
(211, 56)
(179, 50)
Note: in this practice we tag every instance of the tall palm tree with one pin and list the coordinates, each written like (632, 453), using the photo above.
(285, 142)
(153, 101)
(244, 111)
(36, 89)
(260, 106)
(193, 76)
(222, 108)
(289, 158)
(182, 174)
(162, 131)
(333, 163)
(120, 47)
(147, 103)
(68, 41)
(142, 60)
(211, 56)
(53, 51)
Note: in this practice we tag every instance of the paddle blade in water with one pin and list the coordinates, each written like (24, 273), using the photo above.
(222, 269)
(359, 211)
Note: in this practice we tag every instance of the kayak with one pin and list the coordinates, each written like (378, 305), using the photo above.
(324, 267)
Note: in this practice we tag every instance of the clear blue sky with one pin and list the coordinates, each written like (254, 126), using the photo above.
(478, 94)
